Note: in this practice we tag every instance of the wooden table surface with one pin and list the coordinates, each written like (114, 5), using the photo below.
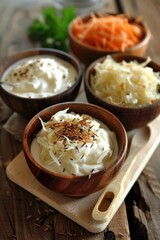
(22, 215)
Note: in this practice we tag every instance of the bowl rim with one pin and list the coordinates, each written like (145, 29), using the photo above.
(145, 39)
(103, 102)
(122, 151)
(4, 65)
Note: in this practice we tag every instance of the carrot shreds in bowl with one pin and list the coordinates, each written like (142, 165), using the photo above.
(108, 32)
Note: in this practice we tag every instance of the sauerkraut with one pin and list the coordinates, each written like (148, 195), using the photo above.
(73, 144)
(128, 84)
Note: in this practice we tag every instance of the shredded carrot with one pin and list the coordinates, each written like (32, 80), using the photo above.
(109, 32)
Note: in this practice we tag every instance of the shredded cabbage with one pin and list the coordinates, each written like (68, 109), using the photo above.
(128, 84)
(74, 144)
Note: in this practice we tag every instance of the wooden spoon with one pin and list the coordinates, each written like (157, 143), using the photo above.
(114, 194)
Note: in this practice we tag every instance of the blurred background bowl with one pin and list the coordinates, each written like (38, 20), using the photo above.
(131, 118)
(75, 186)
(87, 53)
(28, 107)
(81, 7)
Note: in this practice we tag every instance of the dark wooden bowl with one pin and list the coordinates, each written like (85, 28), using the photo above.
(75, 186)
(87, 54)
(29, 107)
(131, 118)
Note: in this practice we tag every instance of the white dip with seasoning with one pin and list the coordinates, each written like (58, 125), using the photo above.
(73, 144)
(39, 76)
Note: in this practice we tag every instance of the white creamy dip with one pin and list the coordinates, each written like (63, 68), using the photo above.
(73, 144)
(39, 76)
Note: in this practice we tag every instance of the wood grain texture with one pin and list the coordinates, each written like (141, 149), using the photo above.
(143, 202)
(142, 142)
(80, 209)
(76, 186)
(22, 216)
(149, 11)
(15, 203)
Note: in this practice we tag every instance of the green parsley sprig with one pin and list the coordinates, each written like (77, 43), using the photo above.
(52, 30)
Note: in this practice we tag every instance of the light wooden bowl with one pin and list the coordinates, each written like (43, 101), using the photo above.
(28, 107)
(130, 117)
(87, 53)
(75, 186)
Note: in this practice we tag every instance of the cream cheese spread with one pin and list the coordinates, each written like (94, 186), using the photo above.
(39, 77)
(73, 144)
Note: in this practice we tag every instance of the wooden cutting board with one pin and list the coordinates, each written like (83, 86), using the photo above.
(77, 209)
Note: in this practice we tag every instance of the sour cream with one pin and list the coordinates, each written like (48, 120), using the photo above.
(39, 77)
(73, 144)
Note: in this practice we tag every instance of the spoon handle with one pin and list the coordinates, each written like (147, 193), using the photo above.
(114, 194)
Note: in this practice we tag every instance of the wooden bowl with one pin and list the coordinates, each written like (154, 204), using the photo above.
(28, 107)
(87, 53)
(75, 186)
(131, 118)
